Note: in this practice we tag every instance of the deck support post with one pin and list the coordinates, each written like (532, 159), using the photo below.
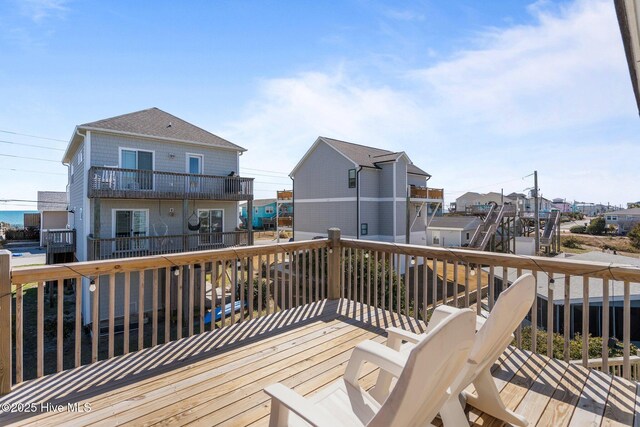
(333, 264)
(5, 322)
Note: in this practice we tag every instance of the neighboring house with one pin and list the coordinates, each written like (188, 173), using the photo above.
(562, 205)
(54, 215)
(624, 219)
(449, 231)
(262, 209)
(591, 209)
(472, 202)
(369, 193)
(148, 183)
(616, 295)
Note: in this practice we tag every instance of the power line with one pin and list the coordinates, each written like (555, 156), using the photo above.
(30, 171)
(30, 145)
(30, 158)
(268, 176)
(32, 136)
(264, 170)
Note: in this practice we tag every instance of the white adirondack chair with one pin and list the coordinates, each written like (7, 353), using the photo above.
(493, 336)
(424, 374)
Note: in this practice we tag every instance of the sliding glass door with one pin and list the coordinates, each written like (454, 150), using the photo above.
(211, 223)
(130, 229)
(143, 162)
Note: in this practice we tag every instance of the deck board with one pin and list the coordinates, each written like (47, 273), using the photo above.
(218, 377)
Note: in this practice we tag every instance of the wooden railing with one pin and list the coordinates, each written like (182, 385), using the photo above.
(142, 302)
(166, 297)
(616, 366)
(284, 195)
(285, 221)
(128, 247)
(142, 184)
(426, 193)
(59, 241)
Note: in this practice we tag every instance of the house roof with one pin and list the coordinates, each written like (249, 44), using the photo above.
(616, 287)
(457, 222)
(632, 211)
(154, 123)
(369, 157)
(52, 201)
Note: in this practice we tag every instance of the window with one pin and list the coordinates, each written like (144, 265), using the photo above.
(467, 236)
(71, 171)
(79, 157)
(436, 240)
(130, 226)
(268, 210)
(143, 162)
(352, 178)
(364, 229)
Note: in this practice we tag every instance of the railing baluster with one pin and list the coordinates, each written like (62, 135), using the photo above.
(445, 282)
(323, 277)
(127, 311)
(567, 316)
(283, 278)
(383, 279)
(268, 261)
(154, 304)
(396, 270)
(20, 333)
(585, 321)
(416, 307)
(141, 309)
(241, 280)
(60, 325)
(191, 314)
(425, 289)
(290, 276)
(361, 284)
(316, 295)
(275, 282)
(179, 303)
(478, 289)
(375, 279)
(95, 322)
(250, 286)
(467, 271)
(534, 317)
(626, 330)
(350, 274)
(167, 305)
(260, 285)
(78, 328)
(434, 285)
(234, 288)
(112, 313)
(605, 325)
(296, 266)
(492, 287)
(370, 265)
(202, 284)
(455, 284)
(343, 279)
(550, 312)
(519, 329)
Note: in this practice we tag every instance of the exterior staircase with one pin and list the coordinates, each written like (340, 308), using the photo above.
(550, 228)
(485, 231)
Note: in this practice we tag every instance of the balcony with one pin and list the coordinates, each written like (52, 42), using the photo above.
(307, 304)
(426, 193)
(128, 247)
(106, 182)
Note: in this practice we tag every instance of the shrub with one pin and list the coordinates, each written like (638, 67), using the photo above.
(634, 236)
(597, 226)
(571, 242)
(578, 229)
(257, 283)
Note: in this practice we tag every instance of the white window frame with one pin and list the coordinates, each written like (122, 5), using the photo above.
(79, 159)
(189, 156)
(113, 222)
(209, 210)
(153, 162)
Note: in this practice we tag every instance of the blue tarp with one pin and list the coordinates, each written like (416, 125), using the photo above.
(227, 312)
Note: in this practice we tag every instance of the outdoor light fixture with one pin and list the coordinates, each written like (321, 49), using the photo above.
(92, 285)
(176, 272)
(473, 271)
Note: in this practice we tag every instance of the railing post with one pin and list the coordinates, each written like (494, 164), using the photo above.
(5, 322)
(333, 264)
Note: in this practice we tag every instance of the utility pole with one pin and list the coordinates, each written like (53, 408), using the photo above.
(536, 211)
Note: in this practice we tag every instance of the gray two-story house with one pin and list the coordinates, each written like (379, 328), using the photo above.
(149, 183)
(369, 193)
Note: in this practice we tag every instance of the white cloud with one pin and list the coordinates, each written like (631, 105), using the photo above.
(38, 10)
(539, 96)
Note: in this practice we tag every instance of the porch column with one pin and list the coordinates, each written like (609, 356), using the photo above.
(333, 264)
(250, 223)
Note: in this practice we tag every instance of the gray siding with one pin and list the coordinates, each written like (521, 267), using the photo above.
(168, 156)
(369, 182)
(324, 174)
(386, 180)
(385, 216)
(76, 201)
(369, 214)
(313, 219)
(401, 195)
(418, 181)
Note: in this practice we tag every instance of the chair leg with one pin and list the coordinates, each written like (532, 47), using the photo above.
(452, 413)
(488, 400)
(279, 414)
(382, 388)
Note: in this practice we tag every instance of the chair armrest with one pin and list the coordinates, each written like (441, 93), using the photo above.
(283, 395)
(480, 321)
(380, 355)
(395, 336)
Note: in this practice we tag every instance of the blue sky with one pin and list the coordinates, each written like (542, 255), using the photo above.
(477, 93)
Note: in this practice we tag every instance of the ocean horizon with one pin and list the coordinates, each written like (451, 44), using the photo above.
(15, 218)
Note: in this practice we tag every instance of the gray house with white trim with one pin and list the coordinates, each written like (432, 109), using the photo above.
(149, 183)
(369, 193)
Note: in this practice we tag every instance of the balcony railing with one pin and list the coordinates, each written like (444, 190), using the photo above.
(426, 193)
(127, 247)
(284, 195)
(59, 241)
(142, 184)
(164, 296)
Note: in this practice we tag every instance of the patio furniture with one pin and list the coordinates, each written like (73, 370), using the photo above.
(424, 375)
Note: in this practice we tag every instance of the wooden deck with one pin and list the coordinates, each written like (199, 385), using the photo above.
(217, 378)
